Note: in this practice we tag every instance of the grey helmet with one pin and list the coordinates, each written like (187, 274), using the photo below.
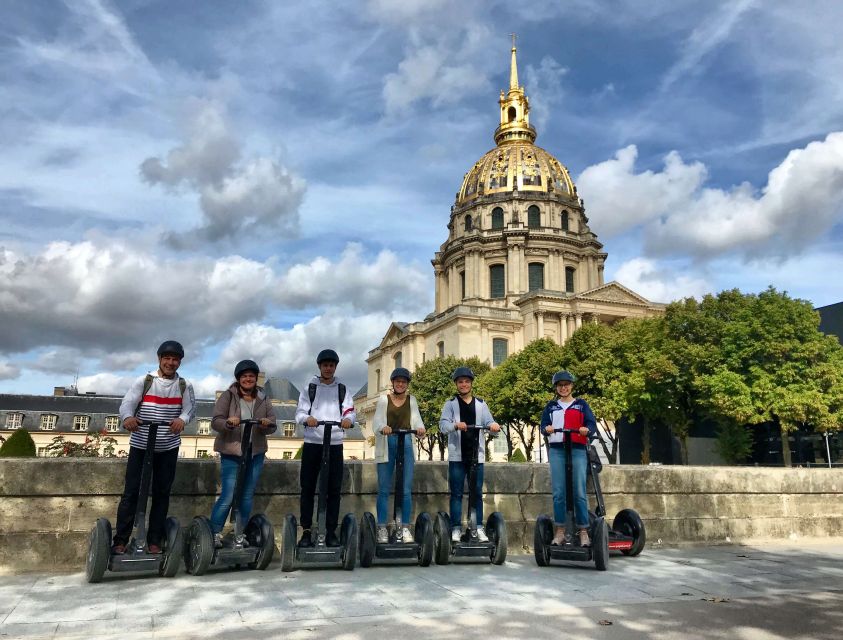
(400, 372)
(563, 376)
(327, 355)
(246, 365)
(171, 347)
(462, 372)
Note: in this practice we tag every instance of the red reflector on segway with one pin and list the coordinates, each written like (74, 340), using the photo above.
(621, 544)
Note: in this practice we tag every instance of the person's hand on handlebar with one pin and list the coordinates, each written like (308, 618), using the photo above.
(131, 424)
(494, 427)
(420, 432)
(584, 431)
(311, 421)
(461, 426)
(265, 422)
(386, 430)
(346, 423)
(232, 422)
(549, 429)
(177, 426)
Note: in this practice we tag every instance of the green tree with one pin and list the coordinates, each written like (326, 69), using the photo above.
(733, 443)
(432, 386)
(518, 390)
(518, 456)
(298, 453)
(19, 445)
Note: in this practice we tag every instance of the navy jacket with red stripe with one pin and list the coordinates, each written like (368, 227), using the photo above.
(578, 415)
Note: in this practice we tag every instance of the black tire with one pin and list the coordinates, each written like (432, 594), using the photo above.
(348, 540)
(442, 538)
(542, 537)
(425, 538)
(173, 548)
(260, 533)
(600, 544)
(199, 546)
(368, 539)
(629, 523)
(99, 550)
(289, 528)
(496, 530)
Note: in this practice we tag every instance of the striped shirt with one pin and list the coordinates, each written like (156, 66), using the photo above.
(163, 402)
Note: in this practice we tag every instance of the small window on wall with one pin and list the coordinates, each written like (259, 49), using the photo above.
(287, 455)
(533, 217)
(497, 218)
(397, 359)
(497, 282)
(377, 379)
(462, 285)
(48, 421)
(204, 428)
(535, 271)
(80, 423)
(569, 279)
(468, 224)
(112, 423)
(565, 221)
(289, 430)
(499, 351)
(14, 420)
(440, 349)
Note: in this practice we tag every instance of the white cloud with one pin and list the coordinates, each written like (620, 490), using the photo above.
(105, 383)
(252, 196)
(207, 386)
(659, 283)
(8, 371)
(544, 88)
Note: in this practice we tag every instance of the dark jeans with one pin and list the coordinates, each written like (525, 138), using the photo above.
(457, 476)
(311, 460)
(163, 473)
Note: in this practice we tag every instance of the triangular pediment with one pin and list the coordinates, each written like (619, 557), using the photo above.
(613, 292)
(396, 331)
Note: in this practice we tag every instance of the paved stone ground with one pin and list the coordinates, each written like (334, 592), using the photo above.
(744, 592)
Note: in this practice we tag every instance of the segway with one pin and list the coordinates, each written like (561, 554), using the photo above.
(626, 535)
(469, 546)
(252, 545)
(136, 557)
(421, 549)
(320, 554)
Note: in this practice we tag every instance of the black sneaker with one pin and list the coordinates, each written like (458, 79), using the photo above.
(306, 540)
(331, 539)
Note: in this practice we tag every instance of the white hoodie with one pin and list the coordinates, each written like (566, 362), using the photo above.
(326, 406)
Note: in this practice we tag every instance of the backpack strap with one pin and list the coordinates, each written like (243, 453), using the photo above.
(311, 393)
(341, 389)
(147, 385)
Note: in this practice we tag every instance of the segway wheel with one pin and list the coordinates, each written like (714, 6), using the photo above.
(260, 533)
(348, 540)
(442, 538)
(424, 538)
(542, 537)
(496, 530)
(173, 550)
(629, 523)
(600, 544)
(368, 533)
(99, 550)
(288, 542)
(199, 546)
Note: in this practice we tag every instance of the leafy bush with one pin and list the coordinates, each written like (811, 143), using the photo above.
(298, 453)
(19, 445)
(96, 445)
(518, 456)
(734, 443)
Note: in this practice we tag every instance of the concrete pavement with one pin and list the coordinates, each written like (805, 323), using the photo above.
(747, 592)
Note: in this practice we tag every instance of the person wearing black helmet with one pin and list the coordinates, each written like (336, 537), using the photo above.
(395, 410)
(457, 413)
(324, 399)
(160, 395)
(568, 412)
(244, 400)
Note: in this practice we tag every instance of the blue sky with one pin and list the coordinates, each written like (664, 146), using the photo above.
(265, 179)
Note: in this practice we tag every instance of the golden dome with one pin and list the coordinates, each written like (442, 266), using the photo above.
(516, 164)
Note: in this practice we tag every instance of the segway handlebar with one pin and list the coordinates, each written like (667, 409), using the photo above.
(593, 436)
(328, 423)
(153, 423)
(480, 427)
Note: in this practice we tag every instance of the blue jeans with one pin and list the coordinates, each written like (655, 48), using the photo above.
(229, 466)
(386, 473)
(556, 458)
(457, 472)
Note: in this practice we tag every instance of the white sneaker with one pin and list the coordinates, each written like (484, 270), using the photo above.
(456, 534)
(218, 540)
(383, 535)
(481, 535)
(406, 536)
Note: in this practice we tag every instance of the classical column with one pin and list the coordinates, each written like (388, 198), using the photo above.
(539, 324)
(563, 328)
(476, 267)
(578, 320)
(595, 318)
(569, 320)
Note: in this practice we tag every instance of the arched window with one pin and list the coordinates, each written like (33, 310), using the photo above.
(512, 113)
(497, 281)
(533, 217)
(535, 273)
(468, 225)
(440, 348)
(565, 221)
(569, 279)
(377, 379)
(462, 285)
(497, 218)
(499, 351)
(397, 358)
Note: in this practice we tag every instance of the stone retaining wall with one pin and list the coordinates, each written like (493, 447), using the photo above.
(47, 506)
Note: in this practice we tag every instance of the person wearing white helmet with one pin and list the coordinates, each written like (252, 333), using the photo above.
(395, 410)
